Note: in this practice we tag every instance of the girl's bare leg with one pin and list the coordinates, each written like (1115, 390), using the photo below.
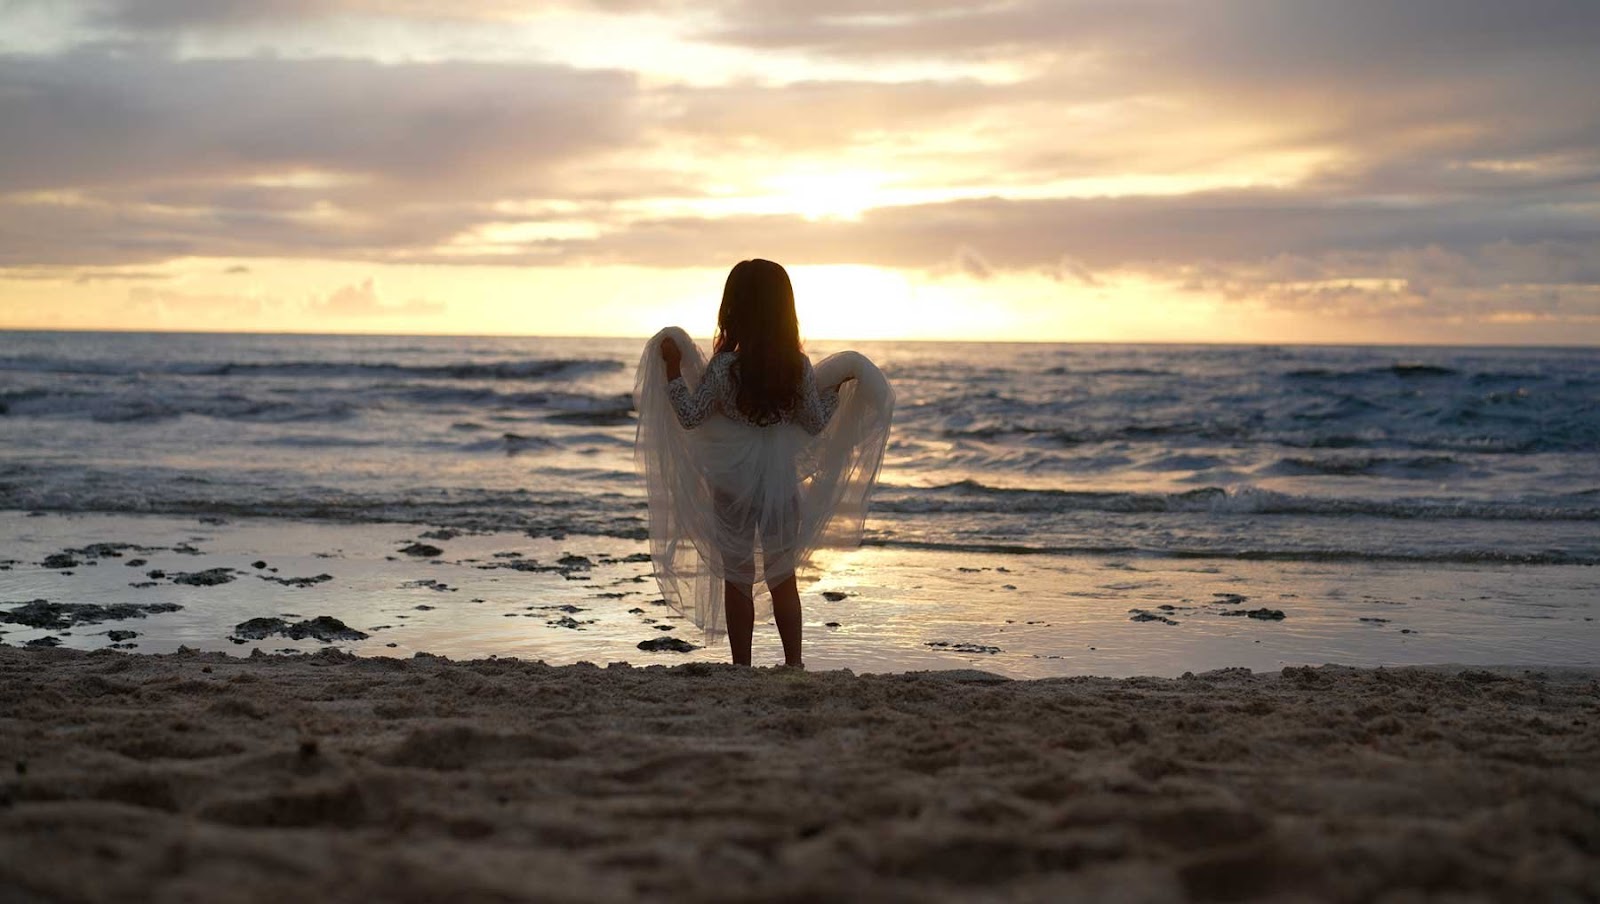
(741, 611)
(786, 612)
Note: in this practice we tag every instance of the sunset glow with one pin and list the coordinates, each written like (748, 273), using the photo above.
(1161, 171)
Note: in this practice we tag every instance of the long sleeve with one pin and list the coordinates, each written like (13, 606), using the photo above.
(816, 407)
(692, 407)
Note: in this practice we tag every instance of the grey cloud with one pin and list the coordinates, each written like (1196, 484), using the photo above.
(820, 114)
(168, 14)
(1102, 233)
(1469, 78)
(163, 16)
(1462, 149)
(150, 159)
(1272, 34)
(90, 119)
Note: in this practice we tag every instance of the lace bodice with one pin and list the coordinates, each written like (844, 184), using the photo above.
(718, 393)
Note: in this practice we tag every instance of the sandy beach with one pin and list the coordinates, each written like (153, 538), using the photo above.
(199, 776)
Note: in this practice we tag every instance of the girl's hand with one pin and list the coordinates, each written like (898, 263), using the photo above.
(673, 355)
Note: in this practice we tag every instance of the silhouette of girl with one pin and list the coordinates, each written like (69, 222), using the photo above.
(754, 461)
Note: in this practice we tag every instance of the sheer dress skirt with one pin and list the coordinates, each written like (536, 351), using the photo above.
(753, 504)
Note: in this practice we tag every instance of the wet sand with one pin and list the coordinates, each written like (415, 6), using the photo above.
(199, 776)
(208, 584)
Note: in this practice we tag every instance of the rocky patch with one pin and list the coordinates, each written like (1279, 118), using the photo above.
(955, 647)
(297, 582)
(667, 645)
(56, 616)
(211, 577)
(324, 628)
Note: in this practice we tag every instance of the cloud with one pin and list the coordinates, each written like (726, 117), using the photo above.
(112, 160)
(1440, 155)
(361, 300)
(88, 120)
(971, 263)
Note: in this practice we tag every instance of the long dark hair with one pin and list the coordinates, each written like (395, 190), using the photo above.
(758, 323)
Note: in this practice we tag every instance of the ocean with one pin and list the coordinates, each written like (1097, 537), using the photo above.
(1056, 464)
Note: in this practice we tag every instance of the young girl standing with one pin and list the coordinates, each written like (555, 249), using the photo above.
(755, 461)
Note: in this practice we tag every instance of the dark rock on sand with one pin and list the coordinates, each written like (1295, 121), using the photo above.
(1263, 614)
(155, 574)
(1141, 615)
(211, 577)
(45, 614)
(422, 550)
(297, 582)
(1229, 598)
(106, 550)
(832, 624)
(834, 596)
(258, 564)
(136, 563)
(962, 647)
(667, 645)
(59, 560)
(119, 636)
(258, 628)
(324, 628)
(443, 533)
(43, 642)
(519, 564)
(574, 562)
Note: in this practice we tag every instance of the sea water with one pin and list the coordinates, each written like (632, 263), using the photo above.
(1037, 501)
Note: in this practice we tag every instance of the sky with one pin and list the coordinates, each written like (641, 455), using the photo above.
(1065, 170)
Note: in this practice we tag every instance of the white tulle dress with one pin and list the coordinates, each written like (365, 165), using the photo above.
(731, 499)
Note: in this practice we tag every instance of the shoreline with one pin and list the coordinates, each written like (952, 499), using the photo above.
(350, 778)
(580, 598)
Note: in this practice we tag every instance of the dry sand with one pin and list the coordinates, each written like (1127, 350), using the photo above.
(199, 777)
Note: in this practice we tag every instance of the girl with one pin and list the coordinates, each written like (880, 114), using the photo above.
(754, 461)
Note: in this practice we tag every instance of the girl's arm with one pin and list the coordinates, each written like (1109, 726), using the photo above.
(816, 406)
(691, 407)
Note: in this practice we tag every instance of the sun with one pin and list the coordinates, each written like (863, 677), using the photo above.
(818, 194)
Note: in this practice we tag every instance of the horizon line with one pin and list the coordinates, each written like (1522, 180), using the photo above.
(642, 338)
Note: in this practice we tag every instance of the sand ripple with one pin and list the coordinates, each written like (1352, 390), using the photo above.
(330, 777)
